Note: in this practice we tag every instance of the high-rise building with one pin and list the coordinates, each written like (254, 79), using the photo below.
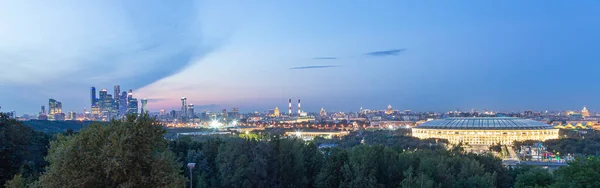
(144, 107)
(184, 107)
(52, 106)
(123, 103)
(117, 92)
(224, 114)
(130, 94)
(190, 111)
(93, 96)
(162, 112)
(43, 110)
(132, 106)
(117, 99)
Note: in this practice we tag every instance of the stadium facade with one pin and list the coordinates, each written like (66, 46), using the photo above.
(485, 130)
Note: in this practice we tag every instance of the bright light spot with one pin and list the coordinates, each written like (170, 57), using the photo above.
(390, 127)
(407, 127)
(298, 133)
(214, 123)
(246, 132)
(234, 123)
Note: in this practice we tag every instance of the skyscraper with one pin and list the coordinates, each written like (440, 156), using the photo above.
(117, 92)
(123, 103)
(132, 106)
(184, 107)
(144, 107)
(117, 101)
(190, 110)
(52, 106)
(93, 96)
(43, 110)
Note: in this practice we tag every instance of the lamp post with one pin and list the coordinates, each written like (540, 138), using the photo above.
(190, 166)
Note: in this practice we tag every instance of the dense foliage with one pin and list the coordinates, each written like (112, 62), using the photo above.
(22, 150)
(128, 153)
(574, 142)
(294, 163)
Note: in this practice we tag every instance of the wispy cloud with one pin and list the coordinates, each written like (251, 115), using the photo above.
(324, 58)
(315, 67)
(392, 52)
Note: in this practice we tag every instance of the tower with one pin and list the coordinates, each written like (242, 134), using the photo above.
(43, 110)
(190, 110)
(290, 107)
(52, 106)
(299, 111)
(93, 96)
(117, 92)
(144, 107)
(183, 106)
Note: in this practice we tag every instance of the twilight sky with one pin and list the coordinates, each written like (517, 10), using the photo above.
(418, 55)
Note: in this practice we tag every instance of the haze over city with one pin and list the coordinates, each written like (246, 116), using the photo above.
(423, 56)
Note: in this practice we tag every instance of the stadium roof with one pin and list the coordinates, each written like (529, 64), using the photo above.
(483, 123)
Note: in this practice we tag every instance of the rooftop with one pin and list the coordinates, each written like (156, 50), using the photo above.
(492, 123)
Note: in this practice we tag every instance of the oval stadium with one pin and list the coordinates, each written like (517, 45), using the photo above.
(485, 130)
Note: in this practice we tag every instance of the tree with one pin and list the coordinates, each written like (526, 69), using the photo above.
(582, 172)
(22, 150)
(534, 177)
(124, 153)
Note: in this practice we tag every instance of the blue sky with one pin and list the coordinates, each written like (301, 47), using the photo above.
(341, 55)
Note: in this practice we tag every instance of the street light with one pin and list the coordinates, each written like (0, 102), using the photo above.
(190, 166)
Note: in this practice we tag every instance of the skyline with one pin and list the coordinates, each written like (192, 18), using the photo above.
(502, 56)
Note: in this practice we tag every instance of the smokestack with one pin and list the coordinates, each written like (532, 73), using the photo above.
(290, 107)
(299, 111)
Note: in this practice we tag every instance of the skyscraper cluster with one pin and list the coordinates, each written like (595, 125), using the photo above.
(54, 110)
(107, 106)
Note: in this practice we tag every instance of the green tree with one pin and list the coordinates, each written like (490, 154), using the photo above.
(534, 177)
(124, 153)
(22, 150)
(582, 172)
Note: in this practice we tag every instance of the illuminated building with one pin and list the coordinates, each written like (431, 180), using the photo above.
(578, 125)
(183, 107)
(309, 135)
(132, 106)
(224, 114)
(144, 106)
(190, 111)
(162, 112)
(585, 113)
(322, 112)
(389, 110)
(235, 113)
(485, 130)
(54, 107)
(276, 112)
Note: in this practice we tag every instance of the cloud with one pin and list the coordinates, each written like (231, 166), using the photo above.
(315, 67)
(324, 58)
(392, 52)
